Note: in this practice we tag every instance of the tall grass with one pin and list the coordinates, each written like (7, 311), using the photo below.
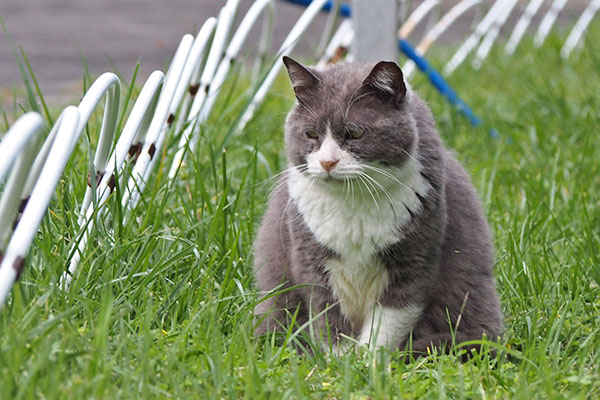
(161, 306)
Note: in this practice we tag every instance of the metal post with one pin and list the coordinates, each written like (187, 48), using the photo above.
(375, 27)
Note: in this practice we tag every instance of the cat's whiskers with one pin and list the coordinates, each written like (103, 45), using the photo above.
(395, 179)
(374, 182)
(312, 182)
(346, 182)
(388, 175)
(302, 168)
(383, 189)
(409, 155)
(348, 176)
(361, 179)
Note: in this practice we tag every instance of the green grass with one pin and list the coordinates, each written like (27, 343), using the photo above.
(162, 303)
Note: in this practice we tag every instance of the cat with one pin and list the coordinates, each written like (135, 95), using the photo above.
(374, 232)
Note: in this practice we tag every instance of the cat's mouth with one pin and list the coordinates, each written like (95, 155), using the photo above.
(333, 177)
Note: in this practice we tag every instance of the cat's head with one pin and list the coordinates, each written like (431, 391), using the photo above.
(348, 116)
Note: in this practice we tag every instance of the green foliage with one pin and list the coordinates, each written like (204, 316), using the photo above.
(162, 303)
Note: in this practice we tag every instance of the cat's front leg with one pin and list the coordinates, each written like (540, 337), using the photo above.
(326, 324)
(387, 326)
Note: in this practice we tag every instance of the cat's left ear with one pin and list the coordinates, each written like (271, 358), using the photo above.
(303, 80)
(387, 80)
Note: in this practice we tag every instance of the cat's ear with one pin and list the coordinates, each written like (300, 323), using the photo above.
(387, 81)
(302, 79)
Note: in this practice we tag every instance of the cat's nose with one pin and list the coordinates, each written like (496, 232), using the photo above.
(328, 164)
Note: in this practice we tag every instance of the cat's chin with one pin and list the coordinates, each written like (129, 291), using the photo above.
(332, 179)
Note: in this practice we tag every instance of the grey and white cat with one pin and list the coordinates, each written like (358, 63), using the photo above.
(375, 226)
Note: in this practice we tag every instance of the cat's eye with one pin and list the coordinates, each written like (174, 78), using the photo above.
(312, 134)
(355, 133)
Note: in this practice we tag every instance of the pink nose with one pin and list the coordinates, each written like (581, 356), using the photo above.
(328, 165)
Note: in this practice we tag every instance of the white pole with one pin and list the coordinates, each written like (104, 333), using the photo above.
(375, 27)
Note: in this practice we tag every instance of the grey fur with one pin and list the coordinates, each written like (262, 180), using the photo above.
(445, 257)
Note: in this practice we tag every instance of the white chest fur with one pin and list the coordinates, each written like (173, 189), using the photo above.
(357, 286)
(356, 221)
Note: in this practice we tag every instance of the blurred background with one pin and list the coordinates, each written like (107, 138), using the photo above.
(110, 35)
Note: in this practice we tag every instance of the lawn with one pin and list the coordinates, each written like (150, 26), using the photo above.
(161, 306)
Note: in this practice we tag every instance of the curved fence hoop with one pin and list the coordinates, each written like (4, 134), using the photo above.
(139, 117)
(13, 261)
(28, 127)
(18, 151)
(548, 22)
(107, 84)
(438, 29)
(339, 44)
(241, 35)
(190, 76)
(203, 105)
(134, 128)
(473, 39)
(288, 45)
(161, 121)
(416, 16)
(521, 27)
(330, 28)
(264, 45)
(215, 52)
(492, 33)
(198, 52)
(579, 29)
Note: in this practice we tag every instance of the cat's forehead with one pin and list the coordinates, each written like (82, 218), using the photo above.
(342, 80)
(329, 104)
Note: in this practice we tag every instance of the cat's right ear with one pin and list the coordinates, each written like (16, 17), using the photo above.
(386, 79)
(302, 79)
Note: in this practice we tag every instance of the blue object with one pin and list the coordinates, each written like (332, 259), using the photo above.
(434, 76)
(438, 81)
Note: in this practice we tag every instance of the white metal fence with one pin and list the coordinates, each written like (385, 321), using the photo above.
(29, 172)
